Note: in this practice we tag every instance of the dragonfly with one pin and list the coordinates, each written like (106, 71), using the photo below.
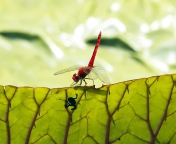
(89, 72)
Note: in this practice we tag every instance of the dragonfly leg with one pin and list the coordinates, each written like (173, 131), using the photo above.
(90, 79)
(74, 83)
(85, 82)
(80, 82)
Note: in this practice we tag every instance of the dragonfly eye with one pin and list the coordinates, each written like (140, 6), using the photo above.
(75, 77)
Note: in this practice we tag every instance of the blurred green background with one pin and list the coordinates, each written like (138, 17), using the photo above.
(39, 38)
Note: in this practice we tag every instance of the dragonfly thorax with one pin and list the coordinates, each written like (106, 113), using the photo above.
(76, 77)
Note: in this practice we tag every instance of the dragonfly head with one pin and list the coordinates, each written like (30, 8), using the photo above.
(76, 77)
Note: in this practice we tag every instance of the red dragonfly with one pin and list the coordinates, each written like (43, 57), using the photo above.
(91, 71)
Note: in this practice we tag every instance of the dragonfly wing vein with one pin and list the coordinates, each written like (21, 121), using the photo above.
(75, 67)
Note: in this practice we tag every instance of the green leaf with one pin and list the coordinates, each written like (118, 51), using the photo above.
(136, 111)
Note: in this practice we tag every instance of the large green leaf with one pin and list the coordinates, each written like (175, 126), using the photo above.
(136, 111)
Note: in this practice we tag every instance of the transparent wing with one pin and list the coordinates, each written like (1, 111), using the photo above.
(75, 67)
(92, 75)
(101, 74)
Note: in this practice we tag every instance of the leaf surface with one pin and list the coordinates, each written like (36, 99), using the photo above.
(136, 111)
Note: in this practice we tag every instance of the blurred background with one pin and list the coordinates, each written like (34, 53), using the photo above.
(39, 38)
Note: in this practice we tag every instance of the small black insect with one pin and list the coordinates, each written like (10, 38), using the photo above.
(71, 102)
